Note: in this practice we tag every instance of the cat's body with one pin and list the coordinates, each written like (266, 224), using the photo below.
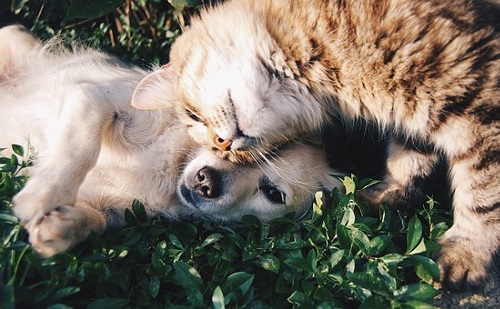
(254, 74)
(94, 154)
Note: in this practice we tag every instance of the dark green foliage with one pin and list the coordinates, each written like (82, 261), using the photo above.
(140, 31)
(341, 256)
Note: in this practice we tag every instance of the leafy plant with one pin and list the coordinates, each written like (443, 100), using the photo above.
(342, 255)
(136, 30)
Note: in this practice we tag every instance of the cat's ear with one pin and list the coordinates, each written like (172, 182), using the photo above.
(155, 91)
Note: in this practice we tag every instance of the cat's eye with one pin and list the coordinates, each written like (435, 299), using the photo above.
(273, 194)
(192, 115)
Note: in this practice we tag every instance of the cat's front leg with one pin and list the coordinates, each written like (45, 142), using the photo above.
(468, 247)
(64, 227)
(406, 169)
(72, 151)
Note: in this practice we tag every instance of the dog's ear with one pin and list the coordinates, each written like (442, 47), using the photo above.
(155, 91)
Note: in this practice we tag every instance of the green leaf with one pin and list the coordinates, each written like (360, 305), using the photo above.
(190, 280)
(109, 303)
(237, 282)
(414, 236)
(14, 161)
(129, 217)
(175, 241)
(132, 237)
(359, 238)
(5, 217)
(17, 5)
(308, 287)
(349, 184)
(296, 243)
(414, 304)
(385, 215)
(323, 294)
(378, 244)
(367, 182)
(251, 220)
(212, 238)
(90, 9)
(335, 257)
(416, 291)
(7, 297)
(269, 262)
(318, 203)
(375, 301)
(154, 286)
(428, 264)
(218, 298)
(438, 230)
(59, 306)
(139, 211)
(181, 5)
(370, 282)
(348, 217)
(312, 258)
(299, 263)
(298, 298)
(392, 259)
(420, 248)
(67, 291)
(343, 237)
(422, 273)
(18, 149)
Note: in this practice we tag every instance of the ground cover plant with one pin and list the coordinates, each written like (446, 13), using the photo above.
(342, 254)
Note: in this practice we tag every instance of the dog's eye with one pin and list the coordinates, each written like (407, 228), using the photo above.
(192, 115)
(273, 194)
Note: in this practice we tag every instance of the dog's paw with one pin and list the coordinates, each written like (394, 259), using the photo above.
(61, 229)
(463, 266)
(31, 205)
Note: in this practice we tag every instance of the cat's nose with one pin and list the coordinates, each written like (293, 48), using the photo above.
(208, 182)
(223, 144)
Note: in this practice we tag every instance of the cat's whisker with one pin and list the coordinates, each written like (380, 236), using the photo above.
(282, 172)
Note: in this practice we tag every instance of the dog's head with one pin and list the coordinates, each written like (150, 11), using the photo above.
(219, 189)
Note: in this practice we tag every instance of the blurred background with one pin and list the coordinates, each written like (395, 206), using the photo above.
(140, 31)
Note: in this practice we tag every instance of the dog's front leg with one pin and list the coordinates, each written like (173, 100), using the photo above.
(64, 227)
(72, 151)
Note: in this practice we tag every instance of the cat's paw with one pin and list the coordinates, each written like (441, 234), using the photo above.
(384, 192)
(463, 266)
(394, 194)
(61, 229)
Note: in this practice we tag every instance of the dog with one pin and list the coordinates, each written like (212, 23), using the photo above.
(93, 153)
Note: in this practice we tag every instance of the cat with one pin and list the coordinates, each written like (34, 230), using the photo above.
(250, 75)
(94, 154)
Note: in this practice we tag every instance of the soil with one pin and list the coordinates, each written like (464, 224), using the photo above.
(487, 296)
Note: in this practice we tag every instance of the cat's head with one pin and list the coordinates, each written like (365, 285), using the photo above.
(232, 88)
(220, 190)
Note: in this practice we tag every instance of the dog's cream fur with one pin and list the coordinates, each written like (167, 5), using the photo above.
(94, 153)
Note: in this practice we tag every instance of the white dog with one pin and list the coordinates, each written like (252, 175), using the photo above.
(94, 153)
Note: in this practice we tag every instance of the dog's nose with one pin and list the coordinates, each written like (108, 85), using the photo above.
(208, 182)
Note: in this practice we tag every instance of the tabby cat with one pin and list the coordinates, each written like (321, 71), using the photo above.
(252, 75)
